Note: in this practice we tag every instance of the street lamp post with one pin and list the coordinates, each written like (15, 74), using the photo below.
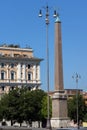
(77, 77)
(47, 58)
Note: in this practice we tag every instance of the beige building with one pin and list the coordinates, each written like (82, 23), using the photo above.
(18, 68)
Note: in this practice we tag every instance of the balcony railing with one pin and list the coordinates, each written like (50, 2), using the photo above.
(19, 81)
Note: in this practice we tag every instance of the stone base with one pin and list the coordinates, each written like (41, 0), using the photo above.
(59, 123)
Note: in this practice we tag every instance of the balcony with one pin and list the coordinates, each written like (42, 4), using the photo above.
(18, 82)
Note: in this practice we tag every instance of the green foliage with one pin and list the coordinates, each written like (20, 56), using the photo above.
(33, 104)
(44, 107)
(85, 116)
(4, 107)
(22, 104)
(72, 108)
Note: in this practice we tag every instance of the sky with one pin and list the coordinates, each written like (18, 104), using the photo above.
(20, 24)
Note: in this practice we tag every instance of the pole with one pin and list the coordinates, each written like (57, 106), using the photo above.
(77, 103)
(47, 61)
(48, 98)
(77, 100)
(47, 57)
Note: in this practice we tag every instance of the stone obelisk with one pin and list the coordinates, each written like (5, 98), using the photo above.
(59, 98)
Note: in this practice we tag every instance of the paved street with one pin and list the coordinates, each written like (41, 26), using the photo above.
(26, 128)
(59, 129)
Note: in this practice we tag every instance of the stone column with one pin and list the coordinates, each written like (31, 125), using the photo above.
(24, 73)
(0, 74)
(34, 73)
(7, 73)
(19, 72)
(38, 73)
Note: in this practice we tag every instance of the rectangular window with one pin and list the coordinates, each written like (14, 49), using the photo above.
(12, 88)
(12, 76)
(29, 76)
(2, 75)
(2, 65)
(29, 66)
(3, 88)
(12, 65)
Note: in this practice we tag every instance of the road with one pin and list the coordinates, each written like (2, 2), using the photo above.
(26, 128)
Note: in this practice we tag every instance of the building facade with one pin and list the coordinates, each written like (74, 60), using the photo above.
(18, 68)
(72, 92)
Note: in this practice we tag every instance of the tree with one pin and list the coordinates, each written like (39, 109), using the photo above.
(33, 106)
(44, 111)
(44, 107)
(10, 106)
(4, 107)
(72, 108)
(14, 105)
(21, 104)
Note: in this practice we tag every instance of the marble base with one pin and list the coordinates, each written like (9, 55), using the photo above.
(59, 122)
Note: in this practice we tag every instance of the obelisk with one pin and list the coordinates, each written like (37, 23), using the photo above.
(59, 98)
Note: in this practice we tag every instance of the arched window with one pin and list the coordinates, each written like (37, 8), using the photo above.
(12, 88)
(29, 76)
(12, 75)
(12, 65)
(3, 87)
(29, 66)
(2, 75)
(2, 65)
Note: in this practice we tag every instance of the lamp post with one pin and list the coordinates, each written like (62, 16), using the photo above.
(47, 58)
(77, 77)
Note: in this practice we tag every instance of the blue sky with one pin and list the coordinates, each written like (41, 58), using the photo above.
(20, 24)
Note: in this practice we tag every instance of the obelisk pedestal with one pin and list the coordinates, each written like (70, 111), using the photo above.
(59, 110)
(59, 98)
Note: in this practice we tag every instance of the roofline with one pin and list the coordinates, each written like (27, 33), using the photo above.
(18, 49)
(22, 58)
(74, 89)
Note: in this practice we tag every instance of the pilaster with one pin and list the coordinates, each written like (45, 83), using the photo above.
(19, 72)
(24, 73)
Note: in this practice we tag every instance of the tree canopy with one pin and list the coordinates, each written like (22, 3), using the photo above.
(22, 104)
(72, 108)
